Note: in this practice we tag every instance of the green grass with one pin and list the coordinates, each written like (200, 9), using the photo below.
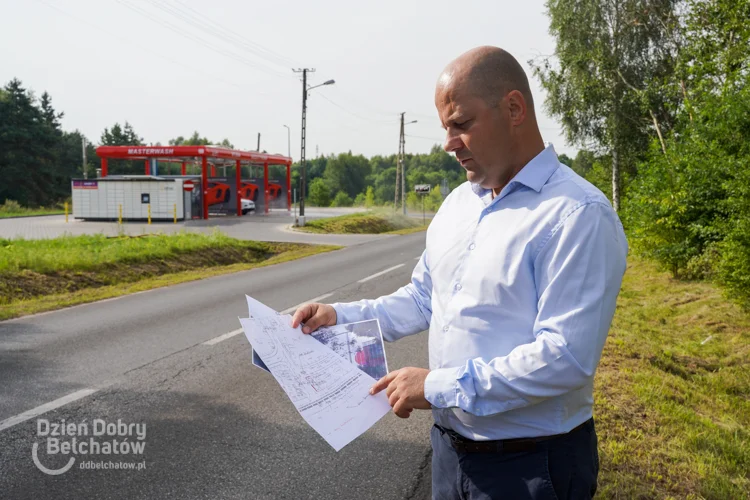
(11, 208)
(41, 275)
(672, 408)
(83, 253)
(30, 211)
(373, 222)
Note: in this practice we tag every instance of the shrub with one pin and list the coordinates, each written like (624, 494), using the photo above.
(319, 193)
(342, 200)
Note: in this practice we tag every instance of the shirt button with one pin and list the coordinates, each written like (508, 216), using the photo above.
(458, 286)
(445, 328)
(472, 246)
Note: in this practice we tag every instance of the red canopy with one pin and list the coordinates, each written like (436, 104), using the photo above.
(141, 152)
(204, 153)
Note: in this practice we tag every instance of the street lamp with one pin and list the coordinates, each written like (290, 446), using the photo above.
(288, 141)
(403, 171)
(303, 164)
(400, 166)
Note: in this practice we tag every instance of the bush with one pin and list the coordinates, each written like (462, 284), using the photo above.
(677, 207)
(690, 209)
(319, 193)
(370, 197)
(734, 266)
(11, 206)
(342, 200)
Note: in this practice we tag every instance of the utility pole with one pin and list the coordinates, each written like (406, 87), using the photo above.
(83, 147)
(303, 166)
(399, 165)
(403, 171)
(258, 149)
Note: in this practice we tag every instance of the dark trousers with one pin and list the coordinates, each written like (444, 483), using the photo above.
(564, 467)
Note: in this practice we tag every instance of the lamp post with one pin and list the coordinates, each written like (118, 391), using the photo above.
(400, 166)
(403, 171)
(303, 171)
(288, 141)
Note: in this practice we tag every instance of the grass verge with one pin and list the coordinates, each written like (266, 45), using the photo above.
(31, 212)
(42, 275)
(673, 392)
(373, 222)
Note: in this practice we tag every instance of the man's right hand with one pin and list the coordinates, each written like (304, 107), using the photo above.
(314, 316)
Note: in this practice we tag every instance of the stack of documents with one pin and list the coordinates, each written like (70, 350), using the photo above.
(327, 375)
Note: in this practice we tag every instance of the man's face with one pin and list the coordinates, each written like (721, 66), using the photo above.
(478, 133)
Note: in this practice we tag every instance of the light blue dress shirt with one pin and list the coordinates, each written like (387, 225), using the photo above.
(518, 293)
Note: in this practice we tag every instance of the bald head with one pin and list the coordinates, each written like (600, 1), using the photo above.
(486, 72)
(485, 105)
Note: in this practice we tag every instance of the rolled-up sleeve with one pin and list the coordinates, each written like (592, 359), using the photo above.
(578, 272)
(405, 312)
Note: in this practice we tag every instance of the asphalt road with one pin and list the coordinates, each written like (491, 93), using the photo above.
(275, 226)
(216, 427)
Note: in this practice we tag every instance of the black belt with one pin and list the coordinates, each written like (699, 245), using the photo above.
(466, 445)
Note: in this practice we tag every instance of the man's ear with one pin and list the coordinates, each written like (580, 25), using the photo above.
(516, 107)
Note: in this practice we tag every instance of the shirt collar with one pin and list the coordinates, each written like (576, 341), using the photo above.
(534, 174)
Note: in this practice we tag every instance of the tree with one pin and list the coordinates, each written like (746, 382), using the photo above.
(197, 140)
(347, 173)
(608, 55)
(583, 162)
(319, 193)
(342, 200)
(565, 159)
(121, 136)
(24, 147)
(370, 197)
(690, 205)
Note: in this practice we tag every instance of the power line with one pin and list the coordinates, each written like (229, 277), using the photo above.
(199, 22)
(199, 40)
(192, 68)
(440, 141)
(421, 115)
(285, 60)
(382, 122)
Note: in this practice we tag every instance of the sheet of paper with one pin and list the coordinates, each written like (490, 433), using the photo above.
(257, 309)
(331, 394)
(360, 343)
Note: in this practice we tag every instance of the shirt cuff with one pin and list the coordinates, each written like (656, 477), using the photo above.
(441, 387)
(340, 313)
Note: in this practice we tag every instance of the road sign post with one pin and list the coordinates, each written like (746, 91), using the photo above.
(422, 190)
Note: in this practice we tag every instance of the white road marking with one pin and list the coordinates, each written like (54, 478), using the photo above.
(218, 339)
(316, 299)
(39, 410)
(381, 273)
(231, 334)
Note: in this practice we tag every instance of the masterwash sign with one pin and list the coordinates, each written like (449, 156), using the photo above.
(104, 444)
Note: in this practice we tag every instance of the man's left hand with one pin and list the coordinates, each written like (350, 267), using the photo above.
(405, 390)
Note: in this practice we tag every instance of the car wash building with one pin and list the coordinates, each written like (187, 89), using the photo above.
(183, 183)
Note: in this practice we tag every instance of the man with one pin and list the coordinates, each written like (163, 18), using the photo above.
(517, 285)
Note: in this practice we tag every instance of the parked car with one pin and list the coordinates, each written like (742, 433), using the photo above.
(247, 206)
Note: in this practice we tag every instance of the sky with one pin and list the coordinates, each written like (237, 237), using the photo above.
(224, 67)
